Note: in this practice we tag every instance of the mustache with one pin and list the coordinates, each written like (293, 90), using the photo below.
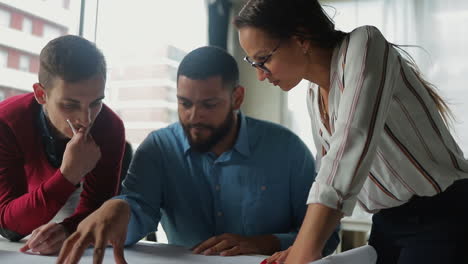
(199, 125)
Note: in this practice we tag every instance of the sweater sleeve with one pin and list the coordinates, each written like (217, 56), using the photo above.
(17, 203)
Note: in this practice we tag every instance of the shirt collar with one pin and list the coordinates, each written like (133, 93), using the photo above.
(44, 126)
(185, 142)
(54, 147)
(242, 141)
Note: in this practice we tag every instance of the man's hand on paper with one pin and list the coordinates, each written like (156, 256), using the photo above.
(46, 239)
(107, 225)
(232, 245)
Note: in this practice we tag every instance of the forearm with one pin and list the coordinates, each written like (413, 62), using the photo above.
(318, 225)
(142, 218)
(42, 203)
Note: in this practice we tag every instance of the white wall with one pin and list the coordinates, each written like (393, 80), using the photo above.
(263, 100)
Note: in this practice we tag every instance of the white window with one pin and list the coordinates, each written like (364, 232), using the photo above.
(66, 4)
(5, 18)
(27, 25)
(440, 59)
(51, 32)
(24, 62)
(16, 70)
(3, 58)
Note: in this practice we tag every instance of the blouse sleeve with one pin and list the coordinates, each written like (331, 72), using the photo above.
(362, 111)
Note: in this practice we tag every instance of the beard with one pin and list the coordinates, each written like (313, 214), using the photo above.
(217, 133)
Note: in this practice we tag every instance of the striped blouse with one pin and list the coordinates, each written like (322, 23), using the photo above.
(388, 142)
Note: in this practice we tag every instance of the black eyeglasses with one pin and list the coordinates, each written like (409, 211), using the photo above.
(261, 65)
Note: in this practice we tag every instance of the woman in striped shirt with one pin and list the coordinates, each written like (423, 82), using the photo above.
(380, 129)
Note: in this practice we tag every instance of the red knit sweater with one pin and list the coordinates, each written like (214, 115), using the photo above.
(31, 190)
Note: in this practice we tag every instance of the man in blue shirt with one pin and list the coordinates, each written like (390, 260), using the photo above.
(220, 182)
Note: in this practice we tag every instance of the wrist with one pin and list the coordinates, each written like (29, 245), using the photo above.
(117, 206)
(65, 229)
(266, 244)
(72, 177)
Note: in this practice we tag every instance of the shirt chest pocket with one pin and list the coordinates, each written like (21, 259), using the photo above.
(265, 205)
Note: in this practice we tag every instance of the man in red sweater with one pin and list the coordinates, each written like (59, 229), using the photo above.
(56, 142)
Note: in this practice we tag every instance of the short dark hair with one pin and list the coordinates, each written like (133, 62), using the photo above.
(283, 19)
(70, 58)
(210, 61)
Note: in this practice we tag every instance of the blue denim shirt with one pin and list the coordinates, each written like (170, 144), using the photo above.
(260, 186)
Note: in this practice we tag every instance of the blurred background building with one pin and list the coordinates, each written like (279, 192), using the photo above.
(25, 27)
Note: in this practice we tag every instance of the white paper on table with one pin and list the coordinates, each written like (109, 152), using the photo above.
(140, 253)
(361, 255)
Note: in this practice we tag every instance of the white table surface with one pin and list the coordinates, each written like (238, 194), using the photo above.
(157, 253)
(141, 253)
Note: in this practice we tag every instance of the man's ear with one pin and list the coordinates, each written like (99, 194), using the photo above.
(40, 93)
(238, 97)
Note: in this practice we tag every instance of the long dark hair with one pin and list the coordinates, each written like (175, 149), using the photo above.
(306, 19)
(440, 103)
(283, 19)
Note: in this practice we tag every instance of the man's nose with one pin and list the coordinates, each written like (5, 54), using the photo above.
(196, 114)
(84, 119)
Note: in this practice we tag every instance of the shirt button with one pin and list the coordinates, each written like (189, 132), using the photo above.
(263, 187)
(220, 214)
(217, 187)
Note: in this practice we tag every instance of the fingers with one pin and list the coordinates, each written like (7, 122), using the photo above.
(224, 245)
(71, 126)
(73, 249)
(119, 254)
(205, 245)
(77, 250)
(50, 249)
(67, 247)
(221, 246)
(51, 245)
(49, 235)
(277, 258)
(234, 251)
(99, 248)
(79, 135)
(40, 235)
(282, 257)
(82, 135)
(196, 247)
(26, 246)
(273, 258)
